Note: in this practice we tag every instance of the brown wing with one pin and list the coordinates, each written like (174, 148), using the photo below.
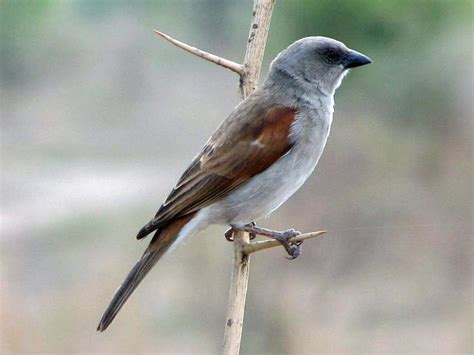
(250, 140)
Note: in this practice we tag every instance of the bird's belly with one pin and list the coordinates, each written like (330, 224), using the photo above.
(266, 191)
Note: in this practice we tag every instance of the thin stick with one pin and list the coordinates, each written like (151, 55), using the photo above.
(237, 295)
(265, 244)
(235, 67)
(259, 27)
(261, 16)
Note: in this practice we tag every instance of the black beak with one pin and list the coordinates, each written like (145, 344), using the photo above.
(355, 59)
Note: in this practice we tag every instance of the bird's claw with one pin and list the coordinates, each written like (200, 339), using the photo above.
(290, 233)
(229, 233)
(293, 249)
(252, 235)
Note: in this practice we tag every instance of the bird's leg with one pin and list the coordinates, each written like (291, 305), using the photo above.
(252, 235)
(293, 249)
(229, 233)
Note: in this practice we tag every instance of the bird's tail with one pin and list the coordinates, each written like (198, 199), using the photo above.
(160, 243)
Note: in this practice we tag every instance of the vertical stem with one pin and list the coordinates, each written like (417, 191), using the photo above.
(237, 295)
(259, 26)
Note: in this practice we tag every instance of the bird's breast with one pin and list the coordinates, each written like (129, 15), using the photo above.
(266, 191)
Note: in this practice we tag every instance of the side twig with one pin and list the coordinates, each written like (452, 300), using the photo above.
(235, 67)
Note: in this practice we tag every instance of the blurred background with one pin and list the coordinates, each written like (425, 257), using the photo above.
(99, 117)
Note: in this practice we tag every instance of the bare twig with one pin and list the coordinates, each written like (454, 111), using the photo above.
(265, 244)
(235, 67)
(237, 295)
(261, 17)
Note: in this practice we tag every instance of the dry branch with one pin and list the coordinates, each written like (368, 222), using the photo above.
(237, 295)
(259, 27)
(238, 68)
(260, 24)
(249, 73)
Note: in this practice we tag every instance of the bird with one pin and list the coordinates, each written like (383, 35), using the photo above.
(258, 157)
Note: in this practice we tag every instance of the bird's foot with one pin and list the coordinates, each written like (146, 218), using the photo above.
(293, 249)
(229, 233)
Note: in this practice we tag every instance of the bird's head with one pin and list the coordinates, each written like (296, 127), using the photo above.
(318, 61)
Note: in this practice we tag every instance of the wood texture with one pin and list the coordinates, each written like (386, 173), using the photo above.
(259, 27)
(261, 16)
(237, 295)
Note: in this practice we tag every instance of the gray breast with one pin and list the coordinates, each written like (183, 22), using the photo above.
(266, 191)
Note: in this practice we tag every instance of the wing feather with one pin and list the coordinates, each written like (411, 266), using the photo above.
(250, 140)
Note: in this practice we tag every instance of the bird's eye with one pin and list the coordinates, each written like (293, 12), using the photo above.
(332, 55)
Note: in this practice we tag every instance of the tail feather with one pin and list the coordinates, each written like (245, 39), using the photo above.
(136, 275)
(160, 243)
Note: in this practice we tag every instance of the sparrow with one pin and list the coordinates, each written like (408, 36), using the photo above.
(258, 157)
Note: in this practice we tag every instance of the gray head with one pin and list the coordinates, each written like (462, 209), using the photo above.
(317, 62)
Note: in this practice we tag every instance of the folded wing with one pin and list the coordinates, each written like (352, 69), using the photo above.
(250, 140)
